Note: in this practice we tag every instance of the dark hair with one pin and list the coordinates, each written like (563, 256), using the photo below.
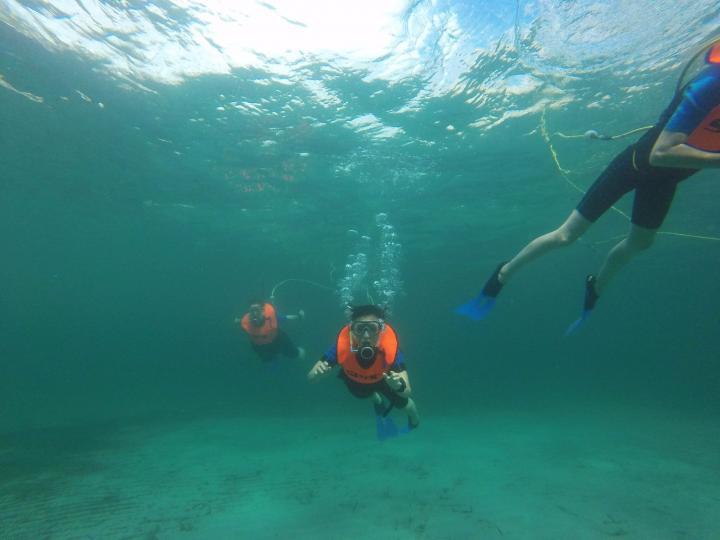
(256, 300)
(369, 309)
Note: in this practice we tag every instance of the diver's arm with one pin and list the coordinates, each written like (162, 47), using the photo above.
(321, 368)
(300, 316)
(670, 150)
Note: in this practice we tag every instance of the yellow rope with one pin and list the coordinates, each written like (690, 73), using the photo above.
(592, 134)
(546, 136)
(694, 236)
(32, 97)
(666, 233)
(562, 135)
(631, 132)
(565, 172)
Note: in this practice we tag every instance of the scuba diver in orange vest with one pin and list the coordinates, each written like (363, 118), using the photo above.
(372, 365)
(685, 139)
(267, 339)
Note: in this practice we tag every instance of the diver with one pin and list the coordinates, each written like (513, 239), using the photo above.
(372, 365)
(267, 339)
(685, 139)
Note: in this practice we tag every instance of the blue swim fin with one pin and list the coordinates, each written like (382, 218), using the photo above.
(591, 297)
(385, 427)
(578, 323)
(479, 307)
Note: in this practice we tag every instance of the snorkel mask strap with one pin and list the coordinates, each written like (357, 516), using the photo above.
(353, 346)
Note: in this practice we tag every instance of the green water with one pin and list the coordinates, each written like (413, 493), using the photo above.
(132, 233)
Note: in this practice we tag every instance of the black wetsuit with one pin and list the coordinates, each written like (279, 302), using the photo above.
(281, 345)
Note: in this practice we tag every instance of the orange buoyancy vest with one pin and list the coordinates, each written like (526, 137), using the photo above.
(713, 55)
(706, 136)
(262, 335)
(384, 358)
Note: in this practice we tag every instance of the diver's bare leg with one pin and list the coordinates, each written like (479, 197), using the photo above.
(639, 239)
(573, 228)
(411, 410)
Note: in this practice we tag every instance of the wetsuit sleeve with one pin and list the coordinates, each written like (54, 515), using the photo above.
(281, 316)
(399, 363)
(700, 97)
(330, 356)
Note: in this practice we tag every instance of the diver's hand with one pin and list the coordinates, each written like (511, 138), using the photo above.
(301, 314)
(395, 381)
(320, 368)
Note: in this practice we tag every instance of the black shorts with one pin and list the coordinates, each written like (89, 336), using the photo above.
(654, 189)
(363, 391)
(281, 345)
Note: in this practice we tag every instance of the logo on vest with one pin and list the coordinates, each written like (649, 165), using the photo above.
(355, 375)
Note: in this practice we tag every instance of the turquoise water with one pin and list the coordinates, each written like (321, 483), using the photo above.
(164, 162)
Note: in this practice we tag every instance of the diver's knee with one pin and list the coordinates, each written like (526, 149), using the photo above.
(564, 237)
(641, 242)
(409, 405)
(645, 244)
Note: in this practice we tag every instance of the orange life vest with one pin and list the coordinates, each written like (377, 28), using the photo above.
(384, 358)
(706, 136)
(713, 55)
(262, 335)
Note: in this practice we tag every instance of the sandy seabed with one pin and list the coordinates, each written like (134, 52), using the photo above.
(497, 475)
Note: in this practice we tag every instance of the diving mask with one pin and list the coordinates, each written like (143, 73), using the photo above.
(367, 329)
(257, 316)
(367, 333)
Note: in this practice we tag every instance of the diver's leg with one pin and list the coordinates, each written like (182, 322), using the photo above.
(572, 229)
(637, 241)
(653, 197)
(287, 347)
(616, 180)
(412, 414)
(266, 352)
(384, 426)
(613, 183)
(400, 402)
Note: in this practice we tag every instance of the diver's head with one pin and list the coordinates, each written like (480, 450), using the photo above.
(256, 312)
(366, 326)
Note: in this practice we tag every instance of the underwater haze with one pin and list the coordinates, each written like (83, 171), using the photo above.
(162, 163)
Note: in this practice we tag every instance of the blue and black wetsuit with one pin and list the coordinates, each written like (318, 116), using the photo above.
(631, 170)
